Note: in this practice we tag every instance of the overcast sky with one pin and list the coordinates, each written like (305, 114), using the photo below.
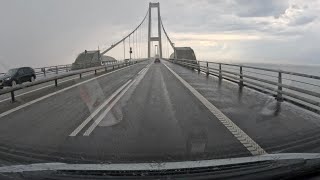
(42, 32)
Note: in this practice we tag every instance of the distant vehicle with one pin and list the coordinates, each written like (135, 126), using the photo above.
(157, 60)
(17, 76)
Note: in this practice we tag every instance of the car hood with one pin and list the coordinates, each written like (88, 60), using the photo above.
(56, 166)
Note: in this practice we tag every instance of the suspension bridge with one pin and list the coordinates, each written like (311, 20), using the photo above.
(138, 110)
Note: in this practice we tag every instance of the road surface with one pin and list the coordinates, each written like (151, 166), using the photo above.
(150, 113)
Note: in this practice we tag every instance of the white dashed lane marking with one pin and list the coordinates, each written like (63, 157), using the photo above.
(88, 119)
(106, 111)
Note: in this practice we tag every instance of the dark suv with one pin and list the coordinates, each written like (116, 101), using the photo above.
(17, 76)
(157, 60)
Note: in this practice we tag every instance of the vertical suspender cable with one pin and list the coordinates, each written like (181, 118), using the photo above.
(136, 44)
(137, 33)
(133, 45)
(129, 48)
(135, 40)
(140, 43)
(168, 50)
(124, 49)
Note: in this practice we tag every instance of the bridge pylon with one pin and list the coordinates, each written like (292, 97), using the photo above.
(150, 39)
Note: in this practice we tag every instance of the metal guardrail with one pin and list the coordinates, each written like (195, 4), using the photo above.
(262, 79)
(70, 73)
(51, 70)
(43, 72)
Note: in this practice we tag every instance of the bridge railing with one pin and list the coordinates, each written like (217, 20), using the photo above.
(298, 88)
(47, 71)
(56, 77)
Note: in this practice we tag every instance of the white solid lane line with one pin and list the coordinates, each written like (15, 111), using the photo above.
(44, 87)
(141, 70)
(85, 122)
(102, 115)
(244, 139)
(54, 93)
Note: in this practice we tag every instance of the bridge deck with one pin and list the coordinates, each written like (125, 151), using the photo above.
(277, 127)
(153, 117)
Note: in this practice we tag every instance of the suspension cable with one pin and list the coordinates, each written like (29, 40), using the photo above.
(165, 32)
(168, 51)
(114, 45)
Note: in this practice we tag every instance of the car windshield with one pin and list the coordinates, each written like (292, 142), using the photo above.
(12, 72)
(128, 82)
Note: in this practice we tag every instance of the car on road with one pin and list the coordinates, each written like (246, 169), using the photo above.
(17, 76)
(157, 60)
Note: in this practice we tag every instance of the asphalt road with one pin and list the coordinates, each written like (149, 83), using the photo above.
(150, 112)
(276, 127)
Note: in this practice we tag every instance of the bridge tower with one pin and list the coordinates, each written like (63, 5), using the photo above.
(150, 39)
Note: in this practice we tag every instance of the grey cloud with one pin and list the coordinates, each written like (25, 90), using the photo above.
(53, 32)
(259, 8)
(302, 20)
(251, 8)
(261, 16)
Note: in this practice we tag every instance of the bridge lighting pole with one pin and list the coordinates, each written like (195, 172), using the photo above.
(241, 76)
(130, 52)
(220, 71)
(279, 94)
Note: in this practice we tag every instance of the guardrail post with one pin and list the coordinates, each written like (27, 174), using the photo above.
(95, 72)
(13, 99)
(198, 67)
(220, 71)
(279, 94)
(56, 69)
(241, 77)
(44, 71)
(207, 69)
(56, 82)
(66, 68)
(80, 75)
